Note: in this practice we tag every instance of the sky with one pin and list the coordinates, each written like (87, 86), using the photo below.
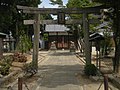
(45, 4)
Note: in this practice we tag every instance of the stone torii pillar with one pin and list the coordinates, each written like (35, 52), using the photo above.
(86, 38)
(36, 26)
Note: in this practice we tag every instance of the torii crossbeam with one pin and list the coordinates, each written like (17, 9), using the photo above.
(36, 10)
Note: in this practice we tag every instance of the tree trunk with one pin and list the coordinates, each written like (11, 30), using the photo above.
(117, 39)
(1, 48)
(117, 58)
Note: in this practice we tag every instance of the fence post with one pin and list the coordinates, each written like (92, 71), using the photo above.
(20, 83)
(105, 82)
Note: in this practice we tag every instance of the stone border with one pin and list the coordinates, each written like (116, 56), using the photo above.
(2, 80)
(114, 80)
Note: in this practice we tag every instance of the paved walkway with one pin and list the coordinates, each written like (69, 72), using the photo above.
(60, 72)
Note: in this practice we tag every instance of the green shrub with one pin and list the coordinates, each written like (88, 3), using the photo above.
(90, 69)
(5, 64)
(24, 44)
(4, 69)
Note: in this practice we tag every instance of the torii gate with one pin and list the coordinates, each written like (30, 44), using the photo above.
(37, 11)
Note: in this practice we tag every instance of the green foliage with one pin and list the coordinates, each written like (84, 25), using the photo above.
(59, 2)
(116, 28)
(9, 16)
(24, 43)
(80, 3)
(105, 1)
(5, 64)
(46, 17)
(107, 43)
(90, 69)
(4, 69)
(7, 59)
(92, 27)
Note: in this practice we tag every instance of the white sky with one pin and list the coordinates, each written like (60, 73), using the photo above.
(45, 4)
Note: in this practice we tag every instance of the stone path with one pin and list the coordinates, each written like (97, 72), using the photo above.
(61, 70)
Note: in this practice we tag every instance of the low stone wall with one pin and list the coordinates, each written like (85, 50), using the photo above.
(5, 78)
(114, 80)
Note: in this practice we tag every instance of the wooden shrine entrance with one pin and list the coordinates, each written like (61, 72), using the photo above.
(61, 13)
(62, 40)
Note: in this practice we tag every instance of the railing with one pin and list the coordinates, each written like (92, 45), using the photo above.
(20, 84)
(105, 82)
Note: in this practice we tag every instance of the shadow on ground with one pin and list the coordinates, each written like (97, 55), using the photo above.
(61, 53)
(61, 75)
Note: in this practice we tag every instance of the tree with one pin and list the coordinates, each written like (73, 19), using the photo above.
(58, 2)
(9, 14)
(5, 15)
(11, 19)
(80, 4)
(116, 28)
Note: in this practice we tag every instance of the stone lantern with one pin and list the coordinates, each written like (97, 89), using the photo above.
(2, 36)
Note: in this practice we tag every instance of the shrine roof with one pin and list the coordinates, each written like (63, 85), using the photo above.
(2, 35)
(96, 36)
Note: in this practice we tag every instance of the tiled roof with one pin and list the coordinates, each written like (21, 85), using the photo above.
(3, 34)
(102, 25)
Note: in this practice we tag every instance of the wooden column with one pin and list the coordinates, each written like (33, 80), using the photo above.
(20, 83)
(36, 41)
(57, 41)
(86, 38)
(105, 82)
